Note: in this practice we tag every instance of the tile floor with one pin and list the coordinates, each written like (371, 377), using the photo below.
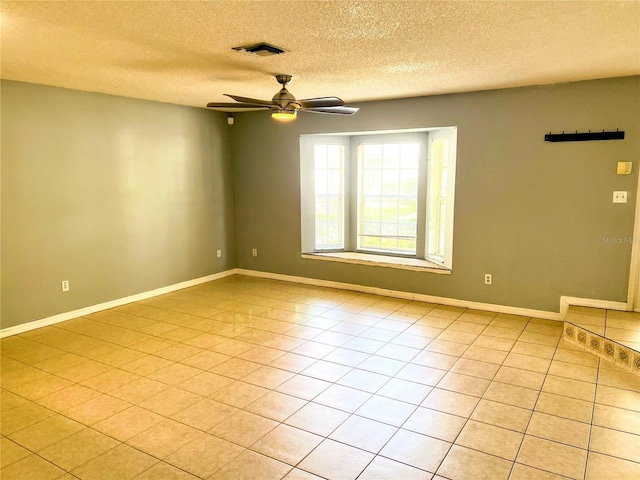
(621, 327)
(247, 378)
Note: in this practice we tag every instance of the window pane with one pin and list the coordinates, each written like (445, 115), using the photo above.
(388, 197)
(329, 186)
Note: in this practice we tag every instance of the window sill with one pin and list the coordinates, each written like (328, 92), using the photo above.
(401, 263)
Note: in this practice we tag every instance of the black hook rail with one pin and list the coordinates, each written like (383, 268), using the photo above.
(583, 136)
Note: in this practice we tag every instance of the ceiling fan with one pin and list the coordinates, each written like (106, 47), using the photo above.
(284, 106)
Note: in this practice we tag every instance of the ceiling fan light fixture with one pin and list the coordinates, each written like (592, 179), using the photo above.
(283, 115)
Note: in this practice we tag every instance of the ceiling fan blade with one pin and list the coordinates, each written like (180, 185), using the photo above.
(234, 105)
(321, 102)
(333, 110)
(253, 101)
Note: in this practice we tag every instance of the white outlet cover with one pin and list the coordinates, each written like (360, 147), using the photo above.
(620, 197)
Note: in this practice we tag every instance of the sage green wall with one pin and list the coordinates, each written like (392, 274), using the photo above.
(534, 214)
(118, 196)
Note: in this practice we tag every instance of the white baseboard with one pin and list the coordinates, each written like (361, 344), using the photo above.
(454, 302)
(44, 322)
(565, 302)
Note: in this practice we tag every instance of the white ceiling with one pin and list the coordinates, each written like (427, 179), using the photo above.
(180, 51)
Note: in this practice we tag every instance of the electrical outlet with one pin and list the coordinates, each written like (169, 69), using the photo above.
(219, 253)
(619, 197)
(65, 285)
(488, 279)
(254, 252)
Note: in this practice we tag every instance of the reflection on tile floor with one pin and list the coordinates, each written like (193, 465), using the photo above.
(246, 378)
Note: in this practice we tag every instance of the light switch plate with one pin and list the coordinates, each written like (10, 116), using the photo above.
(624, 168)
(619, 197)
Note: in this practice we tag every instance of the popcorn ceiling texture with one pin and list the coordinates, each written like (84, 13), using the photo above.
(180, 51)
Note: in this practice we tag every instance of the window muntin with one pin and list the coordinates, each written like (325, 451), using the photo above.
(329, 196)
(388, 197)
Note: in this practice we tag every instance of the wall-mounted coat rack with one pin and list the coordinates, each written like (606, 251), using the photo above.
(583, 136)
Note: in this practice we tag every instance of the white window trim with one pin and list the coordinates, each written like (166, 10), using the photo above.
(350, 141)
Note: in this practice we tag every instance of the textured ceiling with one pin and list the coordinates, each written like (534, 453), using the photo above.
(181, 51)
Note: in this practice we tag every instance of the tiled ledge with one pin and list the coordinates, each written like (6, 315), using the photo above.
(605, 348)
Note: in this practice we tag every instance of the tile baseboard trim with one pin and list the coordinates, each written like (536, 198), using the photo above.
(61, 317)
(452, 302)
(566, 302)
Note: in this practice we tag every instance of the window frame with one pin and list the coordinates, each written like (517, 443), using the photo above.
(350, 143)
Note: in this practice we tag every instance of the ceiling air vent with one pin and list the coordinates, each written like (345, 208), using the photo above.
(261, 49)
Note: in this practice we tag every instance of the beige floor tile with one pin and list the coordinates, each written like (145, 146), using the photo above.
(476, 368)
(534, 350)
(558, 429)
(96, 409)
(615, 443)
(512, 395)
(205, 383)
(297, 474)
(385, 469)
(603, 466)
(417, 450)
(67, 397)
(170, 401)
(41, 387)
(465, 464)
(303, 387)
(577, 358)
(342, 398)
(617, 397)
(276, 406)
(490, 439)
(545, 339)
(33, 468)
(501, 332)
(451, 402)
(494, 343)
(78, 449)
(618, 378)
(317, 419)
(204, 455)
(268, 377)
(502, 415)
(486, 355)
(128, 423)
(292, 362)
(520, 377)
(139, 390)
(84, 371)
(287, 444)
(363, 380)
(565, 407)
(10, 400)
(386, 410)
(435, 360)
(163, 438)
(146, 365)
(344, 356)
(381, 365)
(174, 374)
(398, 352)
(363, 433)
(524, 472)
(455, 382)
(205, 414)
(617, 419)
(120, 463)
(244, 428)
(108, 381)
(11, 452)
(404, 390)
(569, 388)
(205, 360)
(251, 466)
(336, 460)
(552, 457)
(527, 362)
(239, 394)
(447, 347)
(435, 424)
(164, 471)
(327, 371)
(571, 370)
(418, 373)
(46, 432)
